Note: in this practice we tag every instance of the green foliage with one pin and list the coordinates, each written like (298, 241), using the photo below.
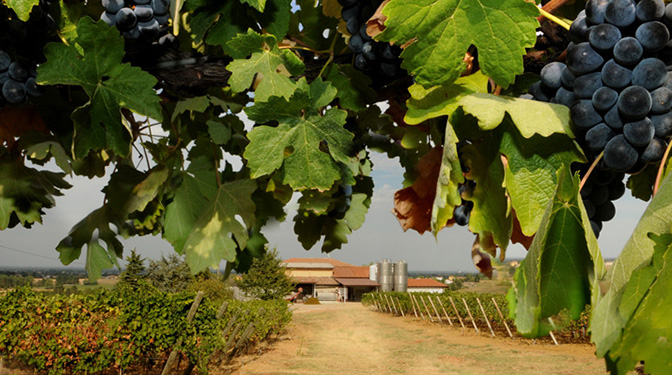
(443, 30)
(170, 275)
(554, 282)
(613, 312)
(95, 65)
(266, 279)
(135, 270)
(118, 329)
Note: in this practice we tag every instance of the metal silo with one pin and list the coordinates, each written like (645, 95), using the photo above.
(400, 276)
(385, 274)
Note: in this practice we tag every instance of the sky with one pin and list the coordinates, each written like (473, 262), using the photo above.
(381, 236)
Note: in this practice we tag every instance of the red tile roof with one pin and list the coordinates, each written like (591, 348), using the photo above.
(331, 261)
(351, 271)
(425, 283)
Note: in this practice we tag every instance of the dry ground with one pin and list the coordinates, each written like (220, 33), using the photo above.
(352, 339)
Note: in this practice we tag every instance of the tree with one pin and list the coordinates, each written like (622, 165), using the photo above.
(266, 279)
(135, 270)
(160, 106)
(170, 274)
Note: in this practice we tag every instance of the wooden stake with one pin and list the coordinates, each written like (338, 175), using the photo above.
(400, 309)
(435, 310)
(190, 317)
(427, 309)
(553, 337)
(410, 297)
(457, 313)
(222, 310)
(444, 310)
(389, 307)
(502, 316)
(394, 306)
(375, 302)
(419, 309)
(470, 316)
(485, 316)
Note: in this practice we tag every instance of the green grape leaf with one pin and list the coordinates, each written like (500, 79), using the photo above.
(526, 114)
(276, 17)
(147, 190)
(489, 217)
(84, 234)
(306, 144)
(335, 226)
(647, 335)
(308, 23)
(438, 101)
(218, 22)
(315, 202)
(196, 104)
(219, 132)
(94, 62)
(269, 62)
(555, 280)
(26, 192)
(211, 240)
(198, 188)
(256, 4)
(354, 87)
(450, 175)
(641, 184)
(609, 316)
(530, 174)
(22, 8)
(43, 150)
(441, 31)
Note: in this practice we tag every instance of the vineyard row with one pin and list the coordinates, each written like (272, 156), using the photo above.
(126, 329)
(481, 312)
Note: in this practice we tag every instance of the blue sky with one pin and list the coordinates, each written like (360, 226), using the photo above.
(381, 236)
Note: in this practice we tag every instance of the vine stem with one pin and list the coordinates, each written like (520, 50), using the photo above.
(590, 170)
(555, 19)
(659, 176)
(331, 55)
(304, 48)
(551, 7)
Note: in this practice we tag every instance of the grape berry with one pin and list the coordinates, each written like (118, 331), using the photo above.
(380, 60)
(619, 91)
(137, 19)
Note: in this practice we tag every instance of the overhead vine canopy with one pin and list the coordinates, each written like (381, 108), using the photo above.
(303, 92)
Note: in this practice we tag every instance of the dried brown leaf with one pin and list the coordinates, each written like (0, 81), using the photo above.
(376, 24)
(413, 205)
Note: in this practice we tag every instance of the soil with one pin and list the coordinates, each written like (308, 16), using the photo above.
(353, 339)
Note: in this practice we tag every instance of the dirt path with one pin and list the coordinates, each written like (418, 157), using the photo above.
(350, 339)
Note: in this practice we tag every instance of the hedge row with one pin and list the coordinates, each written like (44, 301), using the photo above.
(119, 329)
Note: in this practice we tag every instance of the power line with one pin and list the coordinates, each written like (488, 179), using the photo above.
(33, 254)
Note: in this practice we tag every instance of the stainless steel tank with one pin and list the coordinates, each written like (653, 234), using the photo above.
(400, 276)
(385, 274)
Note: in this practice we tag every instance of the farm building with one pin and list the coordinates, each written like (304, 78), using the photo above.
(330, 279)
(426, 285)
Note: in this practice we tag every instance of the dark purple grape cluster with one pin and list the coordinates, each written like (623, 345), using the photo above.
(137, 19)
(17, 82)
(26, 39)
(616, 82)
(600, 190)
(379, 59)
(462, 212)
